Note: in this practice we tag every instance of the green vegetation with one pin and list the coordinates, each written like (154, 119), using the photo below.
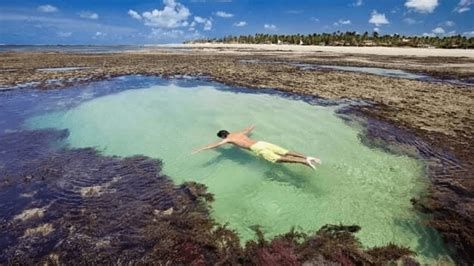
(349, 39)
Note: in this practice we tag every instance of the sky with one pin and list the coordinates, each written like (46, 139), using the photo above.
(102, 22)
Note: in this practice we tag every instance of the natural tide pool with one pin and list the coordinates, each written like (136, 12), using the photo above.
(385, 72)
(166, 119)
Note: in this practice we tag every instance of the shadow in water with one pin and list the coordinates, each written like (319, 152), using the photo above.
(281, 173)
(276, 172)
(237, 155)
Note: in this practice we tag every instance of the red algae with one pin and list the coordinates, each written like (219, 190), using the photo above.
(146, 219)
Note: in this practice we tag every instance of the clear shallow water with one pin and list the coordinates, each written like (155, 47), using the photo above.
(61, 69)
(355, 184)
(89, 49)
(386, 72)
(397, 73)
(70, 48)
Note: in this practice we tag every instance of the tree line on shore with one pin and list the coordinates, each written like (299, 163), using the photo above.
(348, 39)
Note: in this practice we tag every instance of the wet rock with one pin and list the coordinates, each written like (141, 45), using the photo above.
(30, 213)
(44, 230)
(168, 211)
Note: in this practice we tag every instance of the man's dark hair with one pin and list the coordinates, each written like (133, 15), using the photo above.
(223, 134)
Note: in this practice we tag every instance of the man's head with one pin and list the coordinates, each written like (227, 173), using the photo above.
(222, 134)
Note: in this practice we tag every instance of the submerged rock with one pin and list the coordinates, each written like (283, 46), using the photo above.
(44, 230)
(137, 215)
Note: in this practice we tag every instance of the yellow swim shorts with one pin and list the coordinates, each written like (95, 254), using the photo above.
(268, 151)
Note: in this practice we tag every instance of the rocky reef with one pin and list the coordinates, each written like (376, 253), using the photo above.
(76, 206)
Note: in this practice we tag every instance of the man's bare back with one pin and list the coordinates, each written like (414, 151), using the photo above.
(268, 151)
(241, 140)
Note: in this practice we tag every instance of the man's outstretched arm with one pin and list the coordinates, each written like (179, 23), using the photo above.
(248, 130)
(210, 146)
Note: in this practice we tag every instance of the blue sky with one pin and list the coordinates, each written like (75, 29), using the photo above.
(172, 21)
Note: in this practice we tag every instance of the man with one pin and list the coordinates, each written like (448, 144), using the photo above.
(268, 151)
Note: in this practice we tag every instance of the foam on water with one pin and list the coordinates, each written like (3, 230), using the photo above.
(354, 185)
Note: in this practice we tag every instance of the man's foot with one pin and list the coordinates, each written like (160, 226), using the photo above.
(311, 161)
(315, 160)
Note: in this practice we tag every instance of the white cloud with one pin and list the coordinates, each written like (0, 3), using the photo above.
(134, 14)
(463, 6)
(344, 22)
(468, 33)
(209, 1)
(429, 35)
(47, 8)
(438, 31)
(294, 11)
(314, 19)
(207, 23)
(422, 6)
(99, 33)
(378, 19)
(223, 14)
(240, 24)
(341, 22)
(358, 3)
(64, 34)
(67, 24)
(376, 29)
(410, 21)
(173, 15)
(165, 34)
(88, 15)
(449, 23)
(269, 27)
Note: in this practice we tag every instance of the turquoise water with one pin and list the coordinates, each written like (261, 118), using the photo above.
(354, 185)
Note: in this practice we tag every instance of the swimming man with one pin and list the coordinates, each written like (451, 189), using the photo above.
(268, 151)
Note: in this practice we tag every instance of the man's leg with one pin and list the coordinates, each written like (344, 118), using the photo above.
(295, 154)
(299, 155)
(291, 159)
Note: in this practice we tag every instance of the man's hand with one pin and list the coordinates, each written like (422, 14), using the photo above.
(210, 146)
(248, 130)
(196, 151)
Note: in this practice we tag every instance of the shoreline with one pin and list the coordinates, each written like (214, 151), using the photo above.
(437, 113)
(372, 50)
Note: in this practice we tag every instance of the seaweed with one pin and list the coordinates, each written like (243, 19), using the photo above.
(99, 209)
